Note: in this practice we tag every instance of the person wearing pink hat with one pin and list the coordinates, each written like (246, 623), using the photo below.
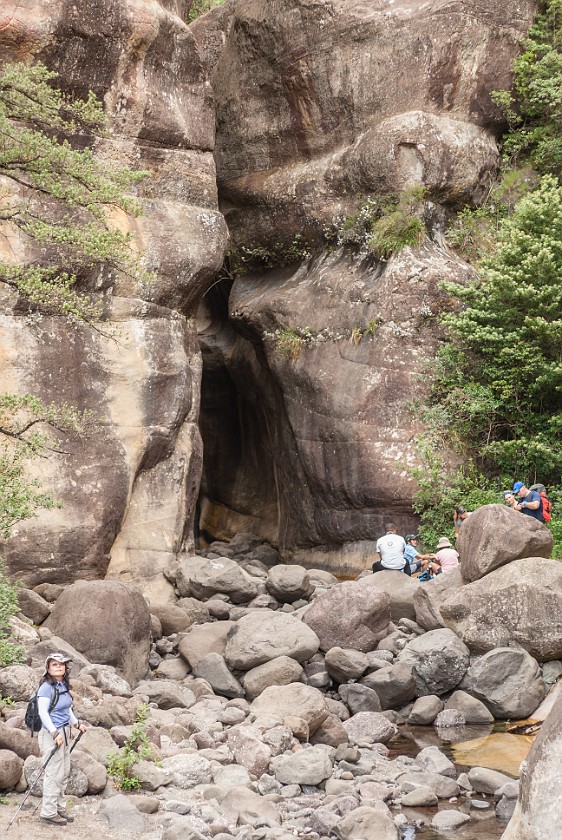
(446, 557)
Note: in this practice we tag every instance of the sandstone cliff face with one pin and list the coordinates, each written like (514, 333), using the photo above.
(320, 104)
(129, 490)
(317, 105)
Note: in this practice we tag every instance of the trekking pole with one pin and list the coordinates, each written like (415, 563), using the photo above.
(33, 783)
(72, 747)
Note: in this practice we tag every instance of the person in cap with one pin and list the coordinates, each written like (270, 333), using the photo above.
(530, 504)
(390, 551)
(446, 557)
(459, 516)
(418, 562)
(56, 731)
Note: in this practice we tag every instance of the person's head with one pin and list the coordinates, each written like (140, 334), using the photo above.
(390, 528)
(443, 543)
(508, 496)
(520, 489)
(56, 667)
(461, 513)
(412, 539)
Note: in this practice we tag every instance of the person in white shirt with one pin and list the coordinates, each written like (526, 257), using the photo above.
(390, 551)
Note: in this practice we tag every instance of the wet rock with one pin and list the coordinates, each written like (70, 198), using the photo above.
(495, 535)
(434, 761)
(443, 786)
(425, 710)
(448, 819)
(288, 583)
(505, 808)
(508, 681)
(438, 659)
(448, 719)
(363, 616)
(263, 635)
(421, 797)
(518, 604)
(472, 710)
(279, 671)
(485, 780)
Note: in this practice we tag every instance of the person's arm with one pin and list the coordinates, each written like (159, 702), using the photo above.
(531, 505)
(43, 704)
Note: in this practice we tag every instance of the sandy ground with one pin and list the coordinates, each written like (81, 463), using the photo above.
(86, 825)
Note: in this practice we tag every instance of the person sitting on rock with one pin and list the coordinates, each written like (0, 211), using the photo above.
(446, 558)
(459, 516)
(418, 562)
(530, 504)
(390, 551)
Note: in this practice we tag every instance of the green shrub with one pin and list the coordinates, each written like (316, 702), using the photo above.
(199, 7)
(10, 652)
(394, 232)
(136, 748)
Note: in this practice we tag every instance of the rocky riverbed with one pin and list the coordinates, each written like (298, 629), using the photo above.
(278, 701)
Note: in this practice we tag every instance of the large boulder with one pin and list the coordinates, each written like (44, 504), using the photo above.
(288, 583)
(538, 813)
(18, 682)
(203, 577)
(203, 639)
(279, 671)
(401, 590)
(264, 635)
(350, 615)
(508, 681)
(11, 766)
(310, 766)
(366, 823)
(438, 659)
(430, 596)
(288, 700)
(495, 535)
(108, 622)
(520, 603)
(394, 685)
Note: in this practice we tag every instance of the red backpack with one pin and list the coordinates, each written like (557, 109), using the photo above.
(546, 504)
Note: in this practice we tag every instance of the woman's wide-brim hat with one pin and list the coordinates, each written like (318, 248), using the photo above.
(443, 543)
(57, 657)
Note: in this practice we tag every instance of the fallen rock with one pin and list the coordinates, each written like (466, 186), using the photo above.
(282, 701)
(108, 622)
(167, 694)
(94, 771)
(282, 670)
(508, 681)
(448, 819)
(265, 635)
(430, 596)
(203, 578)
(472, 709)
(106, 678)
(120, 814)
(18, 741)
(365, 823)
(520, 603)
(33, 606)
(363, 616)
(288, 583)
(187, 770)
(244, 807)
(421, 797)
(438, 659)
(344, 664)
(425, 710)
(11, 766)
(203, 639)
(395, 685)
(309, 766)
(213, 668)
(360, 698)
(19, 682)
(431, 759)
(369, 728)
(248, 748)
(401, 590)
(495, 535)
(485, 780)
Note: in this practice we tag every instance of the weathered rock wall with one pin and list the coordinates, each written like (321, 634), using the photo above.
(129, 489)
(318, 106)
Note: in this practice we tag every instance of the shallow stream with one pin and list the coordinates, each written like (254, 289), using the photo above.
(469, 746)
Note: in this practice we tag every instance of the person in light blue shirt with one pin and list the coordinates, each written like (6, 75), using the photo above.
(54, 704)
(418, 562)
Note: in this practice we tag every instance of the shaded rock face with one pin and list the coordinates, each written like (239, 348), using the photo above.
(351, 101)
(517, 604)
(357, 98)
(539, 807)
(141, 374)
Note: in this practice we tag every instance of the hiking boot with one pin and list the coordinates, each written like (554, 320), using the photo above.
(66, 816)
(57, 820)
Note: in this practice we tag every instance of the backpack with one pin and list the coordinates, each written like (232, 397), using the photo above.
(32, 719)
(546, 504)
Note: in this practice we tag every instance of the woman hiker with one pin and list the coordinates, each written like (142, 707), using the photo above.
(56, 731)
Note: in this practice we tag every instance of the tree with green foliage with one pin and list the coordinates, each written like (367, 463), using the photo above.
(58, 196)
(534, 108)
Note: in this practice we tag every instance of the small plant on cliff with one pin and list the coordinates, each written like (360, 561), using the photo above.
(199, 7)
(10, 652)
(136, 748)
(290, 341)
(58, 197)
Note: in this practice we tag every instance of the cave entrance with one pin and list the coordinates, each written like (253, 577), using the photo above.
(238, 487)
